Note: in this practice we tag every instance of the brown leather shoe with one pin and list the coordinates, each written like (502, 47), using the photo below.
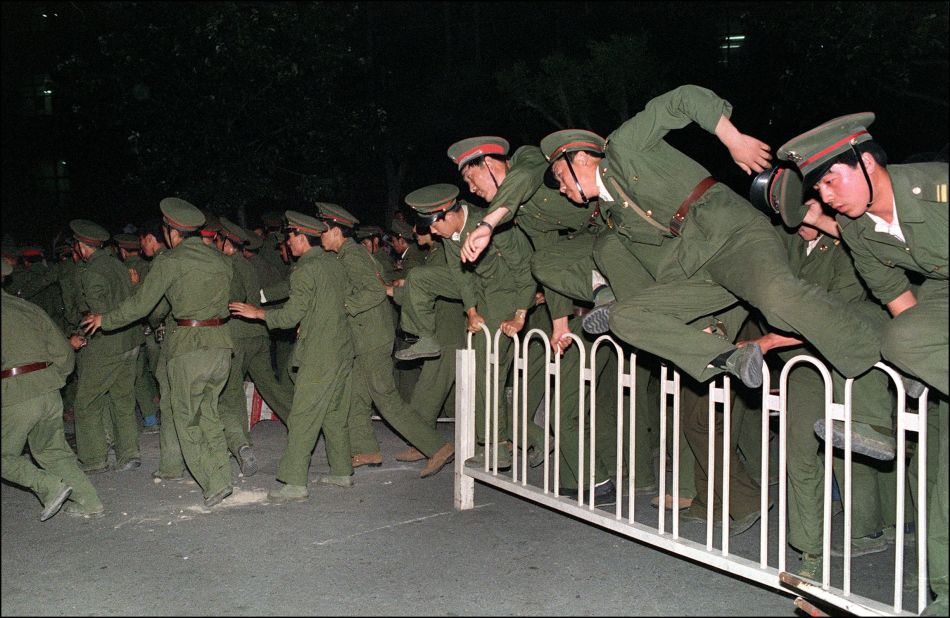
(367, 459)
(410, 454)
(441, 457)
(684, 503)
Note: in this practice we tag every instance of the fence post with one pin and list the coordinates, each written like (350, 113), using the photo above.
(464, 427)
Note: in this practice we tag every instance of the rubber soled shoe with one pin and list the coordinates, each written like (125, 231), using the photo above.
(605, 493)
(426, 347)
(862, 546)
(875, 442)
(131, 464)
(745, 363)
(810, 567)
(288, 493)
(247, 460)
(95, 468)
(56, 502)
(218, 496)
(597, 322)
(438, 460)
(74, 510)
(478, 460)
(338, 480)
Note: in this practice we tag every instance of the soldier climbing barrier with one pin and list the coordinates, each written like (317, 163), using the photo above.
(661, 529)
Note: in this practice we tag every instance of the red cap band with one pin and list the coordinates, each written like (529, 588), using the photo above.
(484, 149)
(560, 149)
(822, 153)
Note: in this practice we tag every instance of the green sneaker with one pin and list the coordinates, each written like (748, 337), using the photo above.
(478, 460)
(56, 502)
(426, 347)
(862, 546)
(74, 510)
(810, 567)
(744, 362)
(288, 493)
(338, 480)
(873, 441)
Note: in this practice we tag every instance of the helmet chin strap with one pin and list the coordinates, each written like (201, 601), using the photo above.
(577, 182)
(867, 177)
(492, 175)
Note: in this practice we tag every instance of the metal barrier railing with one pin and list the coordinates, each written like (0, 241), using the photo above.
(773, 575)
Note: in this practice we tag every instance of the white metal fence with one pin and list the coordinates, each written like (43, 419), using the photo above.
(769, 568)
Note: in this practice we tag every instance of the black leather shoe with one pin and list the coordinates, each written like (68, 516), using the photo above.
(604, 494)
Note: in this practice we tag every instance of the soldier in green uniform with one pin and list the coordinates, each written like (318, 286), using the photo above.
(497, 291)
(407, 254)
(36, 361)
(562, 234)
(171, 462)
(704, 246)
(146, 387)
(894, 221)
(196, 280)
(105, 399)
(251, 354)
(322, 360)
(371, 236)
(433, 391)
(368, 310)
(67, 275)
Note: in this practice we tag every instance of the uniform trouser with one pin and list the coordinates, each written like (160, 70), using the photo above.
(106, 383)
(232, 404)
(694, 411)
(146, 389)
(873, 483)
(196, 380)
(916, 341)
(564, 269)
(257, 360)
(39, 422)
(938, 466)
(749, 264)
(436, 382)
(69, 391)
(283, 340)
(170, 460)
(318, 406)
(373, 383)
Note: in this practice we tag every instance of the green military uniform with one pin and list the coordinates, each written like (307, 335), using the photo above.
(434, 387)
(407, 373)
(915, 341)
(251, 356)
(322, 359)
(146, 386)
(105, 399)
(561, 232)
(67, 275)
(384, 260)
(370, 320)
(722, 251)
(32, 410)
(195, 279)
(495, 286)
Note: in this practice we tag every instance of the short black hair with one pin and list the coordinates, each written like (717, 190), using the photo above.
(153, 227)
(849, 158)
(481, 161)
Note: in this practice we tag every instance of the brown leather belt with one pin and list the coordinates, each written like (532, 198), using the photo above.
(18, 371)
(214, 322)
(676, 223)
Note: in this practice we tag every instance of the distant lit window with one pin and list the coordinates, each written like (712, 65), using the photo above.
(38, 96)
(729, 46)
(53, 180)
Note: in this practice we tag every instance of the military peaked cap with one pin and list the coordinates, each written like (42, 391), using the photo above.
(463, 151)
(336, 214)
(305, 224)
(89, 232)
(430, 202)
(232, 231)
(813, 152)
(401, 228)
(127, 241)
(181, 215)
(780, 190)
(570, 140)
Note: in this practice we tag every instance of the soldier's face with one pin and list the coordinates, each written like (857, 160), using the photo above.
(845, 189)
(566, 184)
(479, 180)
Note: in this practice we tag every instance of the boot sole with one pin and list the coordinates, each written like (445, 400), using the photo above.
(408, 357)
(597, 321)
(859, 444)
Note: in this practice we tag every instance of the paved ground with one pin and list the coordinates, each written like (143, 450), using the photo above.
(391, 545)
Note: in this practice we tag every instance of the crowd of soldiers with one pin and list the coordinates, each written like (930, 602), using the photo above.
(839, 255)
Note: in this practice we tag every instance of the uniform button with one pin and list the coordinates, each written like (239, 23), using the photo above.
(649, 213)
(906, 248)
(915, 190)
(636, 178)
(626, 205)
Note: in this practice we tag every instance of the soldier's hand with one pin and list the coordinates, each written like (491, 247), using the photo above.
(539, 298)
(750, 154)
(77, 342)
(475, 322)
(134, 276)
(91, 323)
(475, 243)
(246, 311)
(513, 326)
(559, 337)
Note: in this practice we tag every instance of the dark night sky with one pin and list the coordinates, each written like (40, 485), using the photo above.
(439, 61)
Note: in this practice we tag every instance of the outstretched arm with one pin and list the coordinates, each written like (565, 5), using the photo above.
(749, 153)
